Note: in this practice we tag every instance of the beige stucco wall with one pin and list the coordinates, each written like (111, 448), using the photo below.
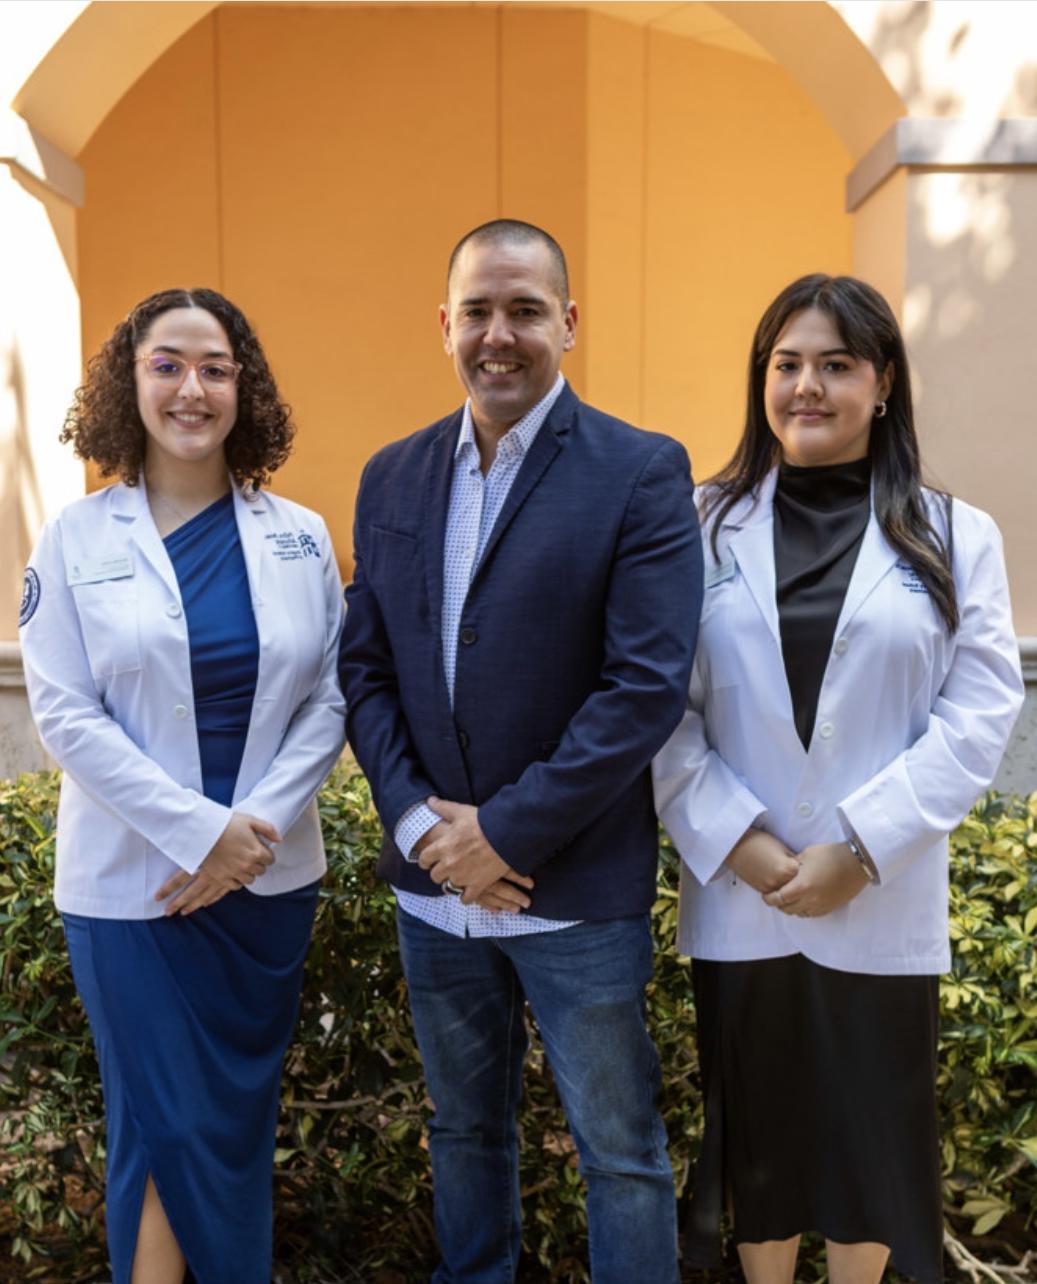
(970, 313)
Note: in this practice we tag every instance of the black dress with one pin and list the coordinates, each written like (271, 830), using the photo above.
(820, 1085)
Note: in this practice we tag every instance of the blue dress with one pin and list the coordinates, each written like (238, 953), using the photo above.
(191, 1015)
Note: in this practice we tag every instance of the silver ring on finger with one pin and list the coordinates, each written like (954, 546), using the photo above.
(451, 889)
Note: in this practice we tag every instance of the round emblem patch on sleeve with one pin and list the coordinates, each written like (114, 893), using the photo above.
(30, 597)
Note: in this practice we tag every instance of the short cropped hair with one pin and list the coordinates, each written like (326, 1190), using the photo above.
(512, 231)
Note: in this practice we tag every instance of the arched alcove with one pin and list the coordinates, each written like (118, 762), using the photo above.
(317, 162)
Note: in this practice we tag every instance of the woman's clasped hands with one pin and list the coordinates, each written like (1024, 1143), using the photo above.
(807, 884)
(239, 856)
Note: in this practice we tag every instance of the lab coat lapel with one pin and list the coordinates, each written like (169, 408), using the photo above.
(250, 512)
(875, 559)
(750, 527)
(130, 506)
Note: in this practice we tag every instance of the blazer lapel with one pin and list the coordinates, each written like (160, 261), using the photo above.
(541, 454)
(439, 475)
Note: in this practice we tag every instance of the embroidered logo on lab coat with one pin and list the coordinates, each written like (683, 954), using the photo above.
(287, 546)
(30, 597)
(910, 578)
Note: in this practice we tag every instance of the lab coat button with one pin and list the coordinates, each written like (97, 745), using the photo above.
(826, 731)
(173, 611)
(841, 647)
(180, 711)
(804, 809)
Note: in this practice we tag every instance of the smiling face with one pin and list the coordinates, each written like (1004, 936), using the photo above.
(820, 399)
(186, 421)
(506, 328)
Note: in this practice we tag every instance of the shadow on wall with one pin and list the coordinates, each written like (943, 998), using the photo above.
(944, 65)
(898, 43)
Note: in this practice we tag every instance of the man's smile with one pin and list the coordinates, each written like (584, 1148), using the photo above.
(499, 367)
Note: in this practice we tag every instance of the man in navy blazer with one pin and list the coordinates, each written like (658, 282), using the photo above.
(518, 644)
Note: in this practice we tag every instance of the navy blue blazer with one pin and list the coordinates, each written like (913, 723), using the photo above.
(573, 659)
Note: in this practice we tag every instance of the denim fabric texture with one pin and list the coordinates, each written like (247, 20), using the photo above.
(585, 987)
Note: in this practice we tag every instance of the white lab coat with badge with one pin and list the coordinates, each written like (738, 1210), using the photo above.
(108, 672)
(911, 725)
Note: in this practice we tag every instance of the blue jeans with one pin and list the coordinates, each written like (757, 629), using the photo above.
(585, 986)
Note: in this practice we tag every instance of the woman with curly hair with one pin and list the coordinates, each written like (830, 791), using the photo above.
(179, 634)
(855, 683)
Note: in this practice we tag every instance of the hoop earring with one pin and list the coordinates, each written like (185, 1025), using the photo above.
(880, 410)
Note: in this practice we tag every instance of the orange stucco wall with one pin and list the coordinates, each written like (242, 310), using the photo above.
(745, 192)
(317, 164)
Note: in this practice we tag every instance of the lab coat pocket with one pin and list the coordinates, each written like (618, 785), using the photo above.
(108, 617)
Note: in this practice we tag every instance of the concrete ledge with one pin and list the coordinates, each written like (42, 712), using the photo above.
(942, 144)
(11, 674)
(1028, 654)
(20, 748)
(32, 156)
(1018, 771)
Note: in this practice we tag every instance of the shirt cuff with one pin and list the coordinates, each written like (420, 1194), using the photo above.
(415, 822)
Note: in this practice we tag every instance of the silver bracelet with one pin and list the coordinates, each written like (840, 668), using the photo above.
(858, 851)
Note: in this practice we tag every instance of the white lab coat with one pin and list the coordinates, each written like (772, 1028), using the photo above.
(108, 672)
(911, 724)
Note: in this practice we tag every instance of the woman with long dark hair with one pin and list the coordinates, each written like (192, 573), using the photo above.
(180, 633)
(856, 680)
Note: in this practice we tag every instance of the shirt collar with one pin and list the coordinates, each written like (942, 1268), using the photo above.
(521, 435)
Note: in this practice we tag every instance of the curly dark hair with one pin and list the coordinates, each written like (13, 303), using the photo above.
(104, 423)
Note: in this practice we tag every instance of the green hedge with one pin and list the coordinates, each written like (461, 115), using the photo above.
(353, 1187)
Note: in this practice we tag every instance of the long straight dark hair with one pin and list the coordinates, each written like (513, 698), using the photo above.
(869, 330)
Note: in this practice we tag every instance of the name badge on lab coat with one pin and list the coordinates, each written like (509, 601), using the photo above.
(92, 570)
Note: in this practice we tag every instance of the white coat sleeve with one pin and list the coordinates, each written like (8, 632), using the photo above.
(703, 804)
(925, 791)
(87, 743)
(317, 730)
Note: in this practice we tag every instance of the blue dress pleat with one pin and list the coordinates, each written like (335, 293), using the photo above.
(191, 1015)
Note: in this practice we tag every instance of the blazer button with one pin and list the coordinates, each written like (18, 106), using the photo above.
(468, 636)
(462, 739)
(180, 711)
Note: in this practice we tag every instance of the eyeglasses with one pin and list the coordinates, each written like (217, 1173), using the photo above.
(212, 374)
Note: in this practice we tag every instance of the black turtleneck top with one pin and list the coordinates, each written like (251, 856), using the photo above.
(819, 519)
